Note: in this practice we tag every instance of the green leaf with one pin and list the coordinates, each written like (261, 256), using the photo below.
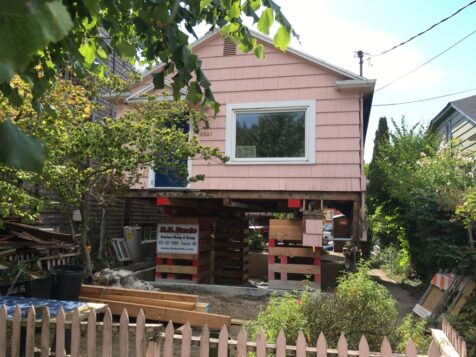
(266, 21)
(88, 51)
(158, 80)
(259, 51)
(92, 6)
(204, 4)
(282, 38)
(19, 150)
(235, 10)
(231, 27)
(126, 49)
(23, 34)
(194, 93)
(101, 53)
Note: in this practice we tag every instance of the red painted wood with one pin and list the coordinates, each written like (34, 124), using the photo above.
(170, 275)
(162, 201)
(294, 203)
(317, 277)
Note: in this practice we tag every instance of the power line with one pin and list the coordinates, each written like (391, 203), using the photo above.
(428, 29)
(423, 64)
(424, 100)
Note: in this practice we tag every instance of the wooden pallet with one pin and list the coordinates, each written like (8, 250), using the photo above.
(231, 251)
(290, 264)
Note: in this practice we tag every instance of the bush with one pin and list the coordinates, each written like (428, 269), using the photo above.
(360, 306)
(257, 241)
(465, 324)
(282, 312)
(415, 329)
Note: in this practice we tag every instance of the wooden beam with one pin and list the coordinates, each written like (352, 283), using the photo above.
(89, 289)
(245, 194)
(294, 268)
(145, 301)
(355, 220)
(167, 314)
(294, 252)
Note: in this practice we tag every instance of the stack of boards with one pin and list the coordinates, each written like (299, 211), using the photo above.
(157, 305)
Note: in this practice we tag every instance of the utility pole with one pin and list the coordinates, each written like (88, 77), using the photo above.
(360, 55)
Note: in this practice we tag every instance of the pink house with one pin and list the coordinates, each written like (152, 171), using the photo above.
(292, 125)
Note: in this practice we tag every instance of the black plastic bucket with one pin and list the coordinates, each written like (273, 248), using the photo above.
(41, 287)
(67, 282)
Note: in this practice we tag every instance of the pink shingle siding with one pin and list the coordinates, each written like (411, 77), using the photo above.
(282, 77)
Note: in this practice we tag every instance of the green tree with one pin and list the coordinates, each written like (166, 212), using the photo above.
(376, 175)
(102, 158)
(40, 38)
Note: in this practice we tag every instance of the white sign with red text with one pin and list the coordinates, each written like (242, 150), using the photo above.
(177, 238)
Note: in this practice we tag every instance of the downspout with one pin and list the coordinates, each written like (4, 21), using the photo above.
(363, 180)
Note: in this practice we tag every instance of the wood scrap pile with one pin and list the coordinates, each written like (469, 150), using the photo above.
(157, 305)
(23, 243)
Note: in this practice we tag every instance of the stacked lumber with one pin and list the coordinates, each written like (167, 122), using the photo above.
(157, 305)
(28, 244)
(290, 264)
(231, 251)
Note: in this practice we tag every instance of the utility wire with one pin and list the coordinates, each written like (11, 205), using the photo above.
(423, 100)
(423, 64)
(428, 29)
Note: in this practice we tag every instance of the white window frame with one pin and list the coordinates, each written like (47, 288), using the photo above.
(268, 107)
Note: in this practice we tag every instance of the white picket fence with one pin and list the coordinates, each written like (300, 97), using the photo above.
(161, 343)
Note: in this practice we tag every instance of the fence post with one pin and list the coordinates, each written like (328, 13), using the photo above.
(60, 333)
(169, 340)
(3, 331)
(364, 350)
(75, 333)
(205, 342)
(140, 334)
(107, 334)
(261, 344)
(124, 334)
(45, 332)
(321, 346)
(30, 332)
(301, 345)
(16, 332)
(223, 342)
(241, 343)
(91, 339)
(342, 349)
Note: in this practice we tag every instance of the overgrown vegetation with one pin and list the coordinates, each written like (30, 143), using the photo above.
(359, 306)
(412, 328)
(420, 202)
(465, 324)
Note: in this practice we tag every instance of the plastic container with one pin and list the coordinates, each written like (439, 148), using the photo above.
(67, 280)
(132, 239)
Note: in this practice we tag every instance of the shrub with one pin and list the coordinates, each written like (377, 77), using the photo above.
(257, 241)
(415, 329)
(465, 324)
(282, 312)
(360, 306)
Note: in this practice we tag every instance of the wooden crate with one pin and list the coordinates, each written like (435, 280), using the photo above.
(290, 264)
(194, 268)
(231, 251)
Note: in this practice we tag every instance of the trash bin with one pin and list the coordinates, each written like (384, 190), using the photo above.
(67, 280)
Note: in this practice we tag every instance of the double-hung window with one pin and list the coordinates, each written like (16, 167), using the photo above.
(271, 132)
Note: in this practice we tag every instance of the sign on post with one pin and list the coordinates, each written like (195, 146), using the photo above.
(177, 238)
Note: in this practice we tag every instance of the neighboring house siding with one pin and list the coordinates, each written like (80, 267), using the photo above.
(244, 78)
(462, 129)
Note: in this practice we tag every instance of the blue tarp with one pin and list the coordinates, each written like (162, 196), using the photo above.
(25, 302)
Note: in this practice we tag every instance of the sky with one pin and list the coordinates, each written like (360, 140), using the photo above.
(333, 30)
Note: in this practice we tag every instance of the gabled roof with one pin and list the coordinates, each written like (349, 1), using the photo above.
(466, 106)
(201, 41)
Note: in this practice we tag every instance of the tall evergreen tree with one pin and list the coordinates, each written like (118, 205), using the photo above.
(377, 194)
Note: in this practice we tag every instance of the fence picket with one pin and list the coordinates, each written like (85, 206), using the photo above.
(205, 342)
(60, 333)
(16, 332)
(463, 352)
(124, 334)
(410, 350)
(434, 349)
(223, 342)
(107, 334)
(186, 340)
(30, 332)
(45, 332)
(301, 345)
(75, 333)
(3, 331)
(321, 346)
(281, 344)
(91, 334)
(169, 340)
(140, 334)
(385, 348)
(241, 343)
(342, 349)
(153, 349)
(261, 344)
(364, 350)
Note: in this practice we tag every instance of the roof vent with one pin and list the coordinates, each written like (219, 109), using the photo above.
(229, 49)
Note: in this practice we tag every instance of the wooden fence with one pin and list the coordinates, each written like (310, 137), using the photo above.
(18, 334)
(455, 339)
